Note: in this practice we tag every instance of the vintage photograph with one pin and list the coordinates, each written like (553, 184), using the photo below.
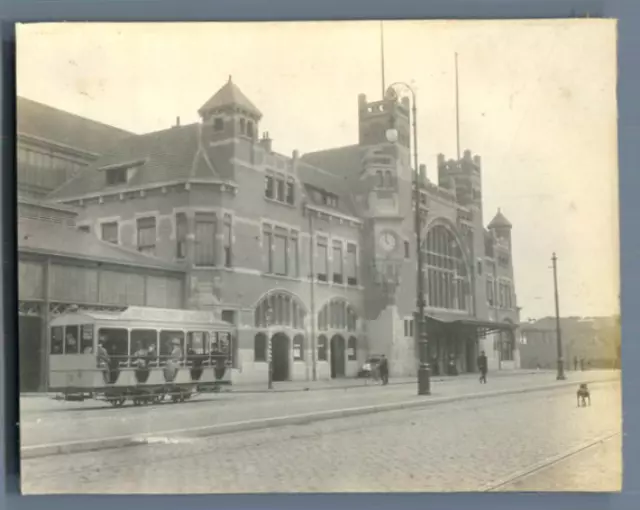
(376, 256)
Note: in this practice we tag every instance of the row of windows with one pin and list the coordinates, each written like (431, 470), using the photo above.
(206, 225)
(122, 344)
(384, 179)
(299, 345)
(341, 268)
(280, 188)
(322, 197)
(246, 127)
(505, 299)
(281, 251)
(337, 314)
(279, 310)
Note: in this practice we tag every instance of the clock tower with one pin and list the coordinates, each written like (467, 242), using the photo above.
(385, 190)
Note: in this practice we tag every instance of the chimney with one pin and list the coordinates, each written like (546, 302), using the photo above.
(266, 141)
(177, 121)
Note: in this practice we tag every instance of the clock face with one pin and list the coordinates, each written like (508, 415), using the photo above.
(388, 241)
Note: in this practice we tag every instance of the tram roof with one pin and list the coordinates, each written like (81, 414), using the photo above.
(144, 314)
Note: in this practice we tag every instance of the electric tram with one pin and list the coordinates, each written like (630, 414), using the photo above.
(139, 354)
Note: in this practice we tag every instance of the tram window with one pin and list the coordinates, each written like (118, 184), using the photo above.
(71, 343)
(57, 340)
(115, 341)
(86, 339)
(144, 341)
(198, 342)
(167, 342)
(224, 341)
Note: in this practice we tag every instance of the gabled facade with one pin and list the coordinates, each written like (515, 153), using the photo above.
(312, 257)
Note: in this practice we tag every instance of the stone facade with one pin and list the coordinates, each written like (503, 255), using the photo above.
(312, 257)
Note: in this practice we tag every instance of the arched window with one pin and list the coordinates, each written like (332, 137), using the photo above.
(447, 274)
(337, 314)
(352, 348)
(322, 348)
(280, 309)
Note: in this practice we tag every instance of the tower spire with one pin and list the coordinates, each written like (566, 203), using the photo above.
(457, 109)
(382, 56)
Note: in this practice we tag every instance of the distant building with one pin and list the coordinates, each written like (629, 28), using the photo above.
(313, 255)
(593, 340)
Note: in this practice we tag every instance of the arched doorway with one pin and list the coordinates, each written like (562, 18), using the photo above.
(280, 357)
(338, 363)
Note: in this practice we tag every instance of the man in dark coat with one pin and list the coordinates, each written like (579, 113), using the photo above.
(482, 366)
(384, 369)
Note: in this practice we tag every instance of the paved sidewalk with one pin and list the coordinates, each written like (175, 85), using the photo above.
(79, 423)
(332, 384)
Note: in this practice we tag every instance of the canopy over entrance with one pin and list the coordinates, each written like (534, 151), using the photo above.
(440, 322)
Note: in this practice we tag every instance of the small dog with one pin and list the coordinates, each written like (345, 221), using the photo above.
(583, 395)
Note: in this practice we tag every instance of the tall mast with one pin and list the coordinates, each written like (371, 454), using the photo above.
(382, 57)
(457, 109)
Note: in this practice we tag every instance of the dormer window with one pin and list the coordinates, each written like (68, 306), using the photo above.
(120, 173)
(116, 176)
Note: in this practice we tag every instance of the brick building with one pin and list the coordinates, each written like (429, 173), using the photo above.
(314, 254)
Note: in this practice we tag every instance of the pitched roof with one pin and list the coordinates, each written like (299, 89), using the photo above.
(45, 122)
(230, 95)
(342, 161)
(168, 155)
(46, 237)
(500, 221)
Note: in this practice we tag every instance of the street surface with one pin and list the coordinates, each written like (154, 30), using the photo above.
(43, 421)
(458, 446)
(596, 469)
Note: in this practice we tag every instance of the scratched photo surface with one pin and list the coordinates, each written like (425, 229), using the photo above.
(318, 257)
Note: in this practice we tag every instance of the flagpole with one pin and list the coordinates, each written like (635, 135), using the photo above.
(382, 57)
(457, 109)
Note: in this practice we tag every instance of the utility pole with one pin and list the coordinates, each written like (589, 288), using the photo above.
(560, 376)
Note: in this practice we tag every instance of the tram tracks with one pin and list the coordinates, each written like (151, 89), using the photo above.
(547, 463)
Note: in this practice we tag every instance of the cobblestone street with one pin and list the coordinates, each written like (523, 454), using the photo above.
(458, 446)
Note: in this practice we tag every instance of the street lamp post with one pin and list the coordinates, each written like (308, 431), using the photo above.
(424, 383)
(269, 316)
(560, 376)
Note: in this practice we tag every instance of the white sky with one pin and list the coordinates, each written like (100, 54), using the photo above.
(537, 102)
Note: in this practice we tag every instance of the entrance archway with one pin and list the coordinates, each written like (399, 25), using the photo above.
(280, 357)
(338, 363)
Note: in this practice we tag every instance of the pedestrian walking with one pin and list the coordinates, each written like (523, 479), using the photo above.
(582, 364)
(384, 370)
(575, 363)
(482, 366)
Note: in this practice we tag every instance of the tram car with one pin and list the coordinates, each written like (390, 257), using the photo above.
(143, 355)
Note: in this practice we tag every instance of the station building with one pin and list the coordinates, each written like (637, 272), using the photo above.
(312, 257)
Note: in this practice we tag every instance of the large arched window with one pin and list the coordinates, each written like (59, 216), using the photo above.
(447, 274)
(280, 309)
(337, 314)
